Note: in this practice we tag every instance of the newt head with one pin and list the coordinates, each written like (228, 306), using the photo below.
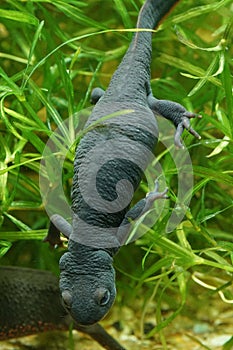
(87, 285)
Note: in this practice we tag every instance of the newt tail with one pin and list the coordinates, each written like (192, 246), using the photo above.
(132, 77)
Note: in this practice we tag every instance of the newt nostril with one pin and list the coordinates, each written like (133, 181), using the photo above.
(67, 299)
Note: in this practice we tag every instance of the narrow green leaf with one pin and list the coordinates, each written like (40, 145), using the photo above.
(23, 162)
(186, 66)
(195, 12)
(228, 345)
(67, 83)
(22, 118)
(4, 247)
(35, 40)
(212, 174)
(33, 114)
(13, 236)
(122, 10)
(76, 15)
(220, 147)
(153, 269)
(74, 58)
(32, 49)
(35, 140)
(208, 74)
(8, 124)
(3, 182)
(13, 58)
(18, 16)
(21, 225)
(227, 83)
(216, 257)
(15, 89)
(52, 111)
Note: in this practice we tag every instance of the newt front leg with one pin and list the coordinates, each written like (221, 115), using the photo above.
(140, 208)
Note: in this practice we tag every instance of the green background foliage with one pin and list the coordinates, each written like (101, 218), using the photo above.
(52, 54)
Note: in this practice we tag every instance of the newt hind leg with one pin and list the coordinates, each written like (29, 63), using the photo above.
(177, 114)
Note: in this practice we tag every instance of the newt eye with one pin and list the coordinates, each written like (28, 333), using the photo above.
(67, 299)
(102, 296)
(104, 299)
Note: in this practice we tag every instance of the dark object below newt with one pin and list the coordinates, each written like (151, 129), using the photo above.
(30, 303)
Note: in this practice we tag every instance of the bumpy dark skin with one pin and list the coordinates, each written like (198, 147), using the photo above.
(30, 303)
(87, 282)
(87, 277)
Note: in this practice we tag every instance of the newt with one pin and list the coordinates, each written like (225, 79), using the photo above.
(109, 163)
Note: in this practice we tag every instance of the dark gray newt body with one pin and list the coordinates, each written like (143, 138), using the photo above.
(109, 164)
